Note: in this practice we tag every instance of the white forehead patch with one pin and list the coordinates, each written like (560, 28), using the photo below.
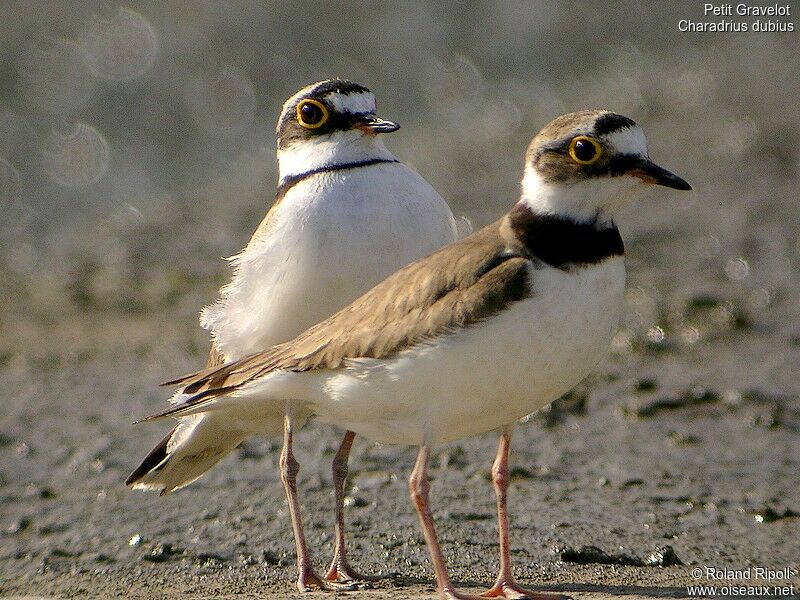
(353, 103)
(630, 140)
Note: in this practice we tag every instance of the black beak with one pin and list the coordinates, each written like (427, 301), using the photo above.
(651, 173)
(372, 124)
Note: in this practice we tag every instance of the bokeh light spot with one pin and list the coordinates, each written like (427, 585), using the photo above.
(656, 334)
(737, 269)
(77, 158)
(121, 47)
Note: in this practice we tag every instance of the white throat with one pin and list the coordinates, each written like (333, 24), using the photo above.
(337, 148)
(597, 199)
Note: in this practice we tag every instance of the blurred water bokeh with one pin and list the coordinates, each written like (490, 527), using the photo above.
(137, 148)
(138, 138)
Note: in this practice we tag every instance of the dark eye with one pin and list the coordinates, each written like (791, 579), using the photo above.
(584, 150)
(311, 114)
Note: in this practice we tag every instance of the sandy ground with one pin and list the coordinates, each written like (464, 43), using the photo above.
(688, 436)
(640, 457)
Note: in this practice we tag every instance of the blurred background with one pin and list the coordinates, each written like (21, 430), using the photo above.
(137, 144)
(137, 149)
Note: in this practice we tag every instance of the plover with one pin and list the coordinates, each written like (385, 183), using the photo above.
(475, 335)
(347, 213)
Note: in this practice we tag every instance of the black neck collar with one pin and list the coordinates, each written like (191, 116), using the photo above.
(289, 182)
(563, 243)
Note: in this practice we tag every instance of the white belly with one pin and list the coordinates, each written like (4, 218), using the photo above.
(332, 238)
(487, 375)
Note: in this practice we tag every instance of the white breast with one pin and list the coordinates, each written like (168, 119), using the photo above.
(332, 237)
(487, 375)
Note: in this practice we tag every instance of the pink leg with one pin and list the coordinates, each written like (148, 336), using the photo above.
(340, 569)
(307, 577)
(419, 486)
(505, 586)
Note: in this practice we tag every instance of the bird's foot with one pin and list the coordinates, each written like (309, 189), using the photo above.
(308, 581)
(512, 591)
(451, 594)
(340, 571)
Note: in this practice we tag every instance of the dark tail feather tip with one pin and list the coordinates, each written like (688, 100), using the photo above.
(151, 461)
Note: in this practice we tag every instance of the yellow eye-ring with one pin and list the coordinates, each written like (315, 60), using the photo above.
(584, 150)
(312, 114)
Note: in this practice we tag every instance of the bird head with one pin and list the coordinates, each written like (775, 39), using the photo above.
(585, 166)
(330, 122)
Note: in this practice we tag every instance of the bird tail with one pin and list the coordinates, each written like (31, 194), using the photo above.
(195, 445)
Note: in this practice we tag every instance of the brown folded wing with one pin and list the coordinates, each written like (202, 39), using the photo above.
(454, 287)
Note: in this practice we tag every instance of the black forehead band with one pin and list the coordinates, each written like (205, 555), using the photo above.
(611, 122)
(561, 146)
(339, 86)
(336, 120)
